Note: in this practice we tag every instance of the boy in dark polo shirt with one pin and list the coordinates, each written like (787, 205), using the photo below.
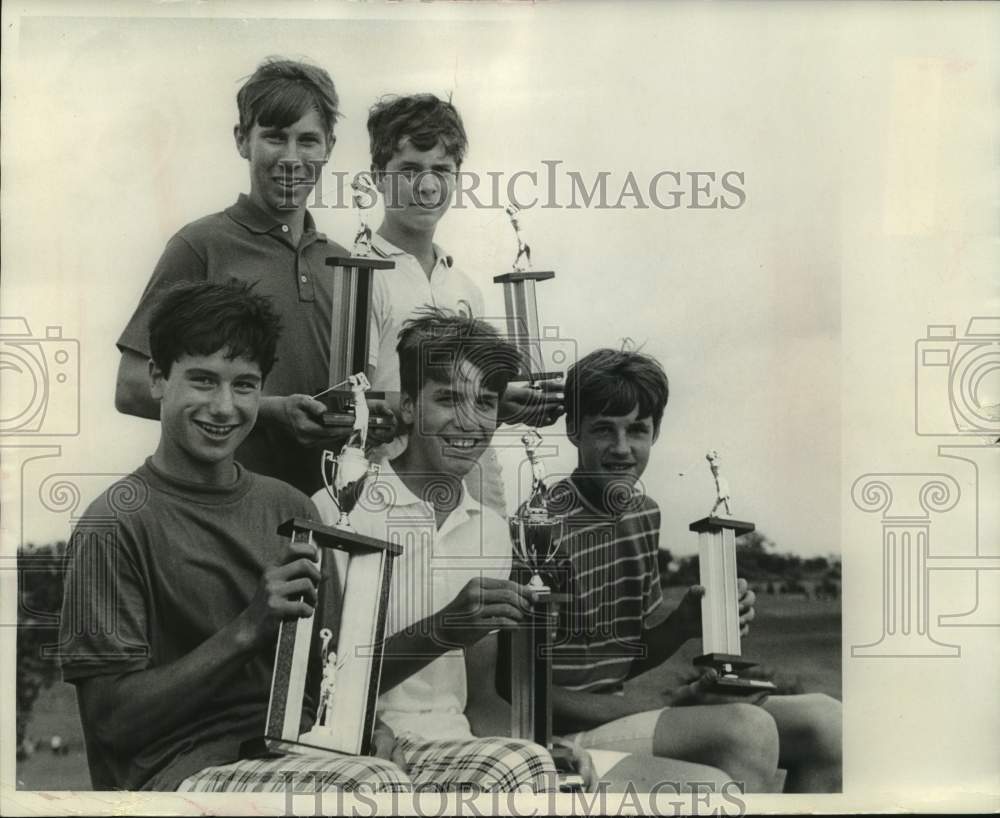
(287, 113)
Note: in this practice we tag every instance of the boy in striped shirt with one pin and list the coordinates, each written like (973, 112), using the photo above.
(616, 627)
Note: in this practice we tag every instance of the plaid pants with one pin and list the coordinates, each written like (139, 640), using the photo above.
(478, 764)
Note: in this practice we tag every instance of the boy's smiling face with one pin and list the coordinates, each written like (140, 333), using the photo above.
(208, 405)
(614, 449)
(416, 186)
(451, 423)
(285, 163)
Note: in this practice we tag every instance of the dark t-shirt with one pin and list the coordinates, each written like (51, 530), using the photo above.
(245, 243)
(155, 567)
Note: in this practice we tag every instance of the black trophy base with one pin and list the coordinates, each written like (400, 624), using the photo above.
(730, 682)
(265, 747)
(340, 411)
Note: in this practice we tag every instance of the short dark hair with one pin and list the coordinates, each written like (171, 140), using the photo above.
(614, 382)
(205, 317)
(422, 118)
(281, 91)
(436, 341)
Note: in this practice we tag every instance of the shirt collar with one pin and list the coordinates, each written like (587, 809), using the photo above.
(387, 249)
(256, 220)
(399, 495)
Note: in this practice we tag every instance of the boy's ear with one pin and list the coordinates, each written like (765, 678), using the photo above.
(331, 140)
(406, 410)
(241, 142)
(156, 379)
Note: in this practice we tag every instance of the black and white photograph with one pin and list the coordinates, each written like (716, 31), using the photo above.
(499, 408)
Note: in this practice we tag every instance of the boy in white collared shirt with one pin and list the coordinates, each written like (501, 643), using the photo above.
(418, 143)
(451, 590)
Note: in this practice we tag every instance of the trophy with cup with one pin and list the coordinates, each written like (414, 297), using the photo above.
(720, 616)
(535, 533)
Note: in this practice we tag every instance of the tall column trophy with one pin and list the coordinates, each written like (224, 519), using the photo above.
(349, 661)
(353, 281)
(720, 616)
(521, 304)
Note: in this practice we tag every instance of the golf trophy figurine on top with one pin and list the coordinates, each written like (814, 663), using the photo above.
(353, 283)
(522, 307)
(720, 618)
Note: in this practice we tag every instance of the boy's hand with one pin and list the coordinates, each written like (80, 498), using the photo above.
(687, 615)
(300, 416)
(382, 409)
(483, 605)
(540, 404)
(747, 599)
(285, 591)
(581, 761)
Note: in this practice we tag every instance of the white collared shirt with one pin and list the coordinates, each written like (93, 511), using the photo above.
(435, 565)
(398, 295)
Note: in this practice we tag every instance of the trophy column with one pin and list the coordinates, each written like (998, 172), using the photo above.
(522, 319)
(720, 617)
(353, 280)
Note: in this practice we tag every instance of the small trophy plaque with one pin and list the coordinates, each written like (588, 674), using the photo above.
(535, 535)
(353, 281)
(350, 666)
(720, 616)
(522, 307)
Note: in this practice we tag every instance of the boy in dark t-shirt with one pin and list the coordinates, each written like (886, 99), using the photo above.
(177, 580)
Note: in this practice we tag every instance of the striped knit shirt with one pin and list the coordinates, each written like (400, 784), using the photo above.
(607, 564)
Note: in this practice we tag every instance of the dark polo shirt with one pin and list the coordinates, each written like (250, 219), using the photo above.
(245, 243)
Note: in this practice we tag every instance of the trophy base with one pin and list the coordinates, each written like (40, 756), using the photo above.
(730, 682)
(340, 411)
(265, 747)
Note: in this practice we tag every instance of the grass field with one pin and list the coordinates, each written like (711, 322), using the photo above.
(798, 638)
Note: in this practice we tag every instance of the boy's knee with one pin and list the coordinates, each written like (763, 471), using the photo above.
(753, 735)
(824, 724)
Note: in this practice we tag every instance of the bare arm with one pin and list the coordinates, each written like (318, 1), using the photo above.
(574, 710)
(132, 395)
(684, 623)
(484, 604)
(488, 713)
(129, 711)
